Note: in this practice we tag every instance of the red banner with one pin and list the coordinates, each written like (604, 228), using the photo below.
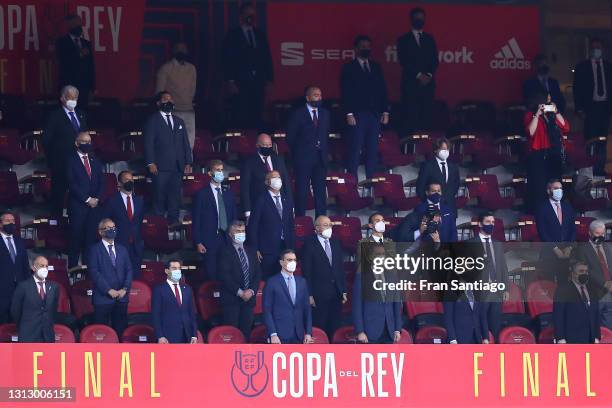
(485, 52)
(100, 375)
(27, 44)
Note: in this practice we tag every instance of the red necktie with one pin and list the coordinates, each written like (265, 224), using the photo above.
(559, 213)
(129, 208)
(87, 167)
(603, 264)
(177, 294)
(41, 290)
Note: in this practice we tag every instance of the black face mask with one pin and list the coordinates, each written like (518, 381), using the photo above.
(598, 240)
(418, 23)
(315, 104)
(365, 53)
(76, 31)
(583, 279)
(85, 147)
(266, 151)
(128, 186)
(180, 56)
(167, 107)
(543, 70)
(9, 228)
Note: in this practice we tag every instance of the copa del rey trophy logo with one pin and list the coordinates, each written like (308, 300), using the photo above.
(249, 374)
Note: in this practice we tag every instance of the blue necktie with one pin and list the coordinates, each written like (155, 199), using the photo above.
(74, 121)
(470, 297)
(11, 248)
(113, 257)
(291, 287)
(245, 267)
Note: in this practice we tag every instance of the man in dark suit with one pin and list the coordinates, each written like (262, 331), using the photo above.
(85, 182)
(253, 173)
(127, 212)
(593, 96)
(75, 59)
(496, 270)
(323, 269)
(62, 127)
(286, 308)
(424, 218)
(168, 156)
(597, 254)
(576, 308)
(240, 273)
(464, 319)
(173, 309)
(270, 228)
(214, 209)
(418, 56)
(34, 305)
(364, 100)
(439, 170)
(110, 270)
(307, 133)
(247, 64)
(14, 266)
(543, 83)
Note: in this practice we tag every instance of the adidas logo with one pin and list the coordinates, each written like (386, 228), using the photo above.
(510, 57)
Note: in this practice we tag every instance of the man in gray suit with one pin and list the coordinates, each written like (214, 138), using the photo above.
(167, 155)
(34, 305)
(598, 256)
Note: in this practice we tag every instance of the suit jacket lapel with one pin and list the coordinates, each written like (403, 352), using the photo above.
(272, 201)
(320, 249)
(283, 283)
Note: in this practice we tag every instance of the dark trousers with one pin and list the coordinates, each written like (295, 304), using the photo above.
(542, 166)
(417, 105)
(83, 227)
(597, 123)
(326, 315)
(493, 313)
(5, 308)
(59, 186)
(364, 137)
(384, 337)
(313, 172)
(292, 340)
(167, 194)
(248, 104)
(135, 259)
(239, 315)
(209, 259)
(113, 315)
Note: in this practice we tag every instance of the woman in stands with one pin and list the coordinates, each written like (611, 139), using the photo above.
(545, 127)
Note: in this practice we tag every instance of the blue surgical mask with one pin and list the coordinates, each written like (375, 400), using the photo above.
(175, 275)
(109, 233)
(557, 194)
(488, 229)
(240, 237)
(218, 176)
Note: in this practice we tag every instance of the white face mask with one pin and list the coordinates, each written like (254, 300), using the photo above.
(379, 227)
(70, 104)
(276, 183)
(443, 154)
(42, 273)
(291, 265)
(326, 233)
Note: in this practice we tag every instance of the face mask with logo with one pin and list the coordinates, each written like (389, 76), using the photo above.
(365, 53)
(218, 176)
(76, 31)
(583, 279)
(110, 233)
(488, 229)
(314, 104)
(434, 198)
(418, 23)
(128, 186)
(85, 147)
(9, 228)
(266, 151)
(598, 240)
(42, 273)
(239, 237)
(557, 194)
(175, 275)
(596, 53)
(291, 266)
(276, 183)
(71, 104)
(167, 107)
(326, 233)
(379, 227)
(443, 154)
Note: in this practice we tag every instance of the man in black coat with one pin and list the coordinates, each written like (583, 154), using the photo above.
(439, 170)
(543, 83)
(240, 272)
(322, 266)
(14, 266)
(253, 173)
(34, 305)
(364, 100)
(75, 59)
(167, 156)
(418, 56)
(61, 129)
(247, 64)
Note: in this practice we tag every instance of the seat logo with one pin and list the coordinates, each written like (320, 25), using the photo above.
(292, 54)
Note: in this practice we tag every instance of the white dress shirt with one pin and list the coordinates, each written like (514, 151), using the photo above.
(44, 285)
(586, 291)
(440, 167)
(107, 244)
(274, 199)
(82, 156)
(247, 31)
(602, 71)
(124, 197)
(483, 239)
(554, 206)
(68, 111)
(322, 242)
(417, 37)
(171, 283)
(267, 160)
(5, 239)
(164, 117)
(311, 109)
(214, 190)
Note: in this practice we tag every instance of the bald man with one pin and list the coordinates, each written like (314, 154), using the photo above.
(34, 305)
(323, 269)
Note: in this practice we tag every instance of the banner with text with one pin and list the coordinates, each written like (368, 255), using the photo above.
(101, 375)
(485, 52)
(29, 30)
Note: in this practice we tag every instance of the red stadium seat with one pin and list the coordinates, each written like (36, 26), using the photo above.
(259, 335)
(514, 304)
(303, 227)
(9, 190)
(419, 145)
(388, 189)
(606, 335)
(109, 148)
(64, 314)
(516, 335)
(485, 189)
(153, 273)
(424, 310)
(109, 187)
(139, 298)
(225, 335)
(51, 233)
(58, 271)
(203, 149)
(233, 179)
(14, 149)
(347, 230)
(258, 309)
(98, 333)
(155, 234)
(343, 191)
(209, 300)
(475, 116)
(143, 187)
(63, 334)
(390, 151)
(241, 142)
(406, 337)
(528, 229)
(81, 294)
(192, 183)
(8, 333)
(319, 336)
(138, 333)
(576, 151)
(431, 335)
(200, 337)
(540, 296)
(582, 228)
(345, 335)
(547, 335)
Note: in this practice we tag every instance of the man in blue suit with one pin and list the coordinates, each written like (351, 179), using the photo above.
(307, 134)
(464, 318)
(377, 316)
(110, 270)
(543, 83)
(167, 156)
(214, 209)
(14, 266)
(173, 309)
(286, 308)
(270, 228)
(576, 308)
(85, 182)
(364, 100)
(127, 211)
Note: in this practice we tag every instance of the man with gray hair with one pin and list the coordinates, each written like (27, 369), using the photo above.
(178, 76)
(61, 129)
(597, 254)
